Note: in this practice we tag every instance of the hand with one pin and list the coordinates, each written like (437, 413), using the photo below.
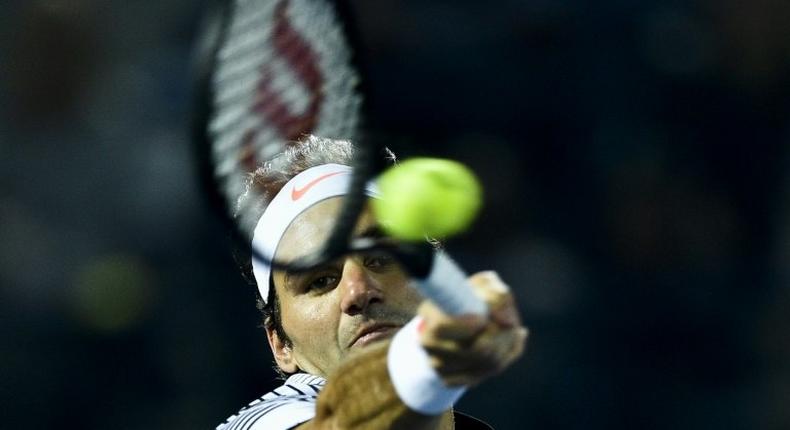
(467, 349)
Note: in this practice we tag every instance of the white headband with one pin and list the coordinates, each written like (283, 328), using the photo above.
(297, 195)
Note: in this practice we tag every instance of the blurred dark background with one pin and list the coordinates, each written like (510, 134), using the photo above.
(636, 167)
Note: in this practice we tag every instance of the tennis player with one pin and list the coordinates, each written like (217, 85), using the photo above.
(357, 345)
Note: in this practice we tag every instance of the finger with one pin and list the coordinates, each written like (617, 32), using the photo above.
(489, 287)
(471, 374)
(436, 346)
(499, 347)
(437, 324)
(493, 342)
(473, 368)
(465, 378)
(506, 315)
(517, 349)
(491, 353)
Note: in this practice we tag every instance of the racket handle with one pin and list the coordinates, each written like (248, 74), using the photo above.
(447, 286)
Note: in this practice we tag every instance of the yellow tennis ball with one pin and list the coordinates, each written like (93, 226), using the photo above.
(427, 197)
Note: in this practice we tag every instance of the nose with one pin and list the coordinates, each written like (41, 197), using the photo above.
(359, 289)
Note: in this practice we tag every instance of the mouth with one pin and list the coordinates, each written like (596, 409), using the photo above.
(374, 333)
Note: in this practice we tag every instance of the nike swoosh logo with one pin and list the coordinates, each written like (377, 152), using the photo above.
(297, 194)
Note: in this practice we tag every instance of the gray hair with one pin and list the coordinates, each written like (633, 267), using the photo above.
(266, 181)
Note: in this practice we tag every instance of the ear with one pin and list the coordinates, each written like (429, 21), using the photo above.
(283, 355)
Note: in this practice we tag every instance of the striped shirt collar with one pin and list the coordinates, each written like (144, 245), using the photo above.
(306, 378)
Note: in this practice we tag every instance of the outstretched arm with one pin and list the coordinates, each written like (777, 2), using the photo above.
(360, 395)
(463, 350)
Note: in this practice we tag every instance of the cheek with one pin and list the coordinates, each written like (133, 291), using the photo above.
(412, 297)
(310, 321)
(403, 291)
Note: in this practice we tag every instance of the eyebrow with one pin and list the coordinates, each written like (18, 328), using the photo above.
(291, 277)
(372, 231)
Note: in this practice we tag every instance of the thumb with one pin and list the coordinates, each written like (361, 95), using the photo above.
(497, 296)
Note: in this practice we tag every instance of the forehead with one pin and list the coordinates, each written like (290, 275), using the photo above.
(310, 229)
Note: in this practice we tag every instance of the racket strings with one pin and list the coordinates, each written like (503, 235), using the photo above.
(281, 70)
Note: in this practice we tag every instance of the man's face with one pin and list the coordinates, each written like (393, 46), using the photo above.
(342, 306)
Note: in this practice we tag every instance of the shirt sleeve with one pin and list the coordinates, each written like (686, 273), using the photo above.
(291, 404)
(277, 414)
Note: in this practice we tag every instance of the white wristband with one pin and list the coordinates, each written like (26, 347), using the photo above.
(415, 380)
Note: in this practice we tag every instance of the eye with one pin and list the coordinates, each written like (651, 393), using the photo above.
(378, 261)
(321, 283)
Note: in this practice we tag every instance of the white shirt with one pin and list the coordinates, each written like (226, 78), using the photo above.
(286, 407)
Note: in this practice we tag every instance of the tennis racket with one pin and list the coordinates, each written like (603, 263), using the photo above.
(268, 72)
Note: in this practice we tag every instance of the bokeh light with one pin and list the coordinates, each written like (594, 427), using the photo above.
(113, 293)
